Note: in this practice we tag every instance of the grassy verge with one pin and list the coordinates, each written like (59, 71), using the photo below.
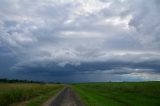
(42, 98)
(119, 94)
(12, 93)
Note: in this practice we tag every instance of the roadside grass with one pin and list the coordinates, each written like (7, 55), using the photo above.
(37, 101)
(13, 93)
(119, 93)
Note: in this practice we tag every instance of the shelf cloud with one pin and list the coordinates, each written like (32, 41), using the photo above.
(80, 40)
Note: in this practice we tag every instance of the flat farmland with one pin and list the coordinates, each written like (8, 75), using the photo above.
(26, 94)
(81, 94)
(119, 93)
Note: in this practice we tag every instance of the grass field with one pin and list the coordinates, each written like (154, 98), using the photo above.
(33, 94)
(119, 93)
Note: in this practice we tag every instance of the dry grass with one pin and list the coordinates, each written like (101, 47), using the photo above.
(11, 93)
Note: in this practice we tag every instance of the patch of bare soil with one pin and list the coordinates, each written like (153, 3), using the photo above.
(66, 97)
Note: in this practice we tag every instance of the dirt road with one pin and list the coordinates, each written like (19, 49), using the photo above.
(66, 97)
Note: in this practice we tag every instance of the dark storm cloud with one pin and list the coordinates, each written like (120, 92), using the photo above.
(111, 68)
(117, 38)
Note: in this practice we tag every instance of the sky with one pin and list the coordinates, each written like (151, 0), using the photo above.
(80, 40)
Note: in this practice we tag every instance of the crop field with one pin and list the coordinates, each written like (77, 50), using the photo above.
(89, 94)
(119, 93)
(26, 94)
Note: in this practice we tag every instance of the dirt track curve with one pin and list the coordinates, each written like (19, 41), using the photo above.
(66, 97)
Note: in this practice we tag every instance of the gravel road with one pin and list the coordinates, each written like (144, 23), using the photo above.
(67, 97)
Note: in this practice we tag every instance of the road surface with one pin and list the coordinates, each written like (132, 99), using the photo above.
(66, 97)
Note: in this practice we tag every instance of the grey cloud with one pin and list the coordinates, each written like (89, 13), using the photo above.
(74, 37)
(146, 22)
(110, 69)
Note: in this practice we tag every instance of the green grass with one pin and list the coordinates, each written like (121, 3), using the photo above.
(119, 93)
(34, 94)
(42, 98)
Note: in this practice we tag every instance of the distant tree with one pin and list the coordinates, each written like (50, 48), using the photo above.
(5, 80)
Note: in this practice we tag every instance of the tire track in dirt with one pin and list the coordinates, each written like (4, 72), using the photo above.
(67, 97)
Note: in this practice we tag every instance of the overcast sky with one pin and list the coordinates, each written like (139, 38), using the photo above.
(80, 40)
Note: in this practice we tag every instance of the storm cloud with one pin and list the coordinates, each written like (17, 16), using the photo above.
(80, 40)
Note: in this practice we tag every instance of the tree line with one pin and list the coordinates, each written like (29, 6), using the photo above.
(5, 80)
